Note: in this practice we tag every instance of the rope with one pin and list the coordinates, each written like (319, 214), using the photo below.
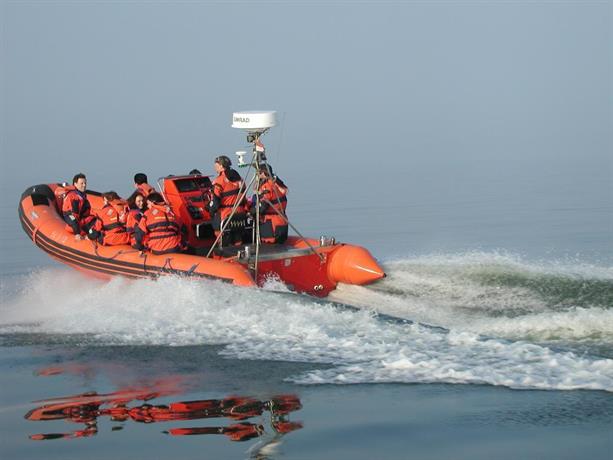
(144, 256)
(95, 245)
(167, 263)
(118, 253)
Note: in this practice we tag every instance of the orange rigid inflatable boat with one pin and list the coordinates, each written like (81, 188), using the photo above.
(305, 265)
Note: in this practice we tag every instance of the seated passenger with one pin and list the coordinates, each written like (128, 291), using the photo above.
(272, 194)
(137, 209)
(226, 196)
(159, 226)
(76, 209)
(111, 221)
(141, 185)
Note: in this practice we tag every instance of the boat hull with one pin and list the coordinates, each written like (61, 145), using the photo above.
(303, 265)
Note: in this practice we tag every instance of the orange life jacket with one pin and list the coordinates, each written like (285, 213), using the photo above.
(162, 229)
(276, 194)
(273, 196)
(111, 224)
(60, 193)
(226, 193)
(145, 189)
(77, 212)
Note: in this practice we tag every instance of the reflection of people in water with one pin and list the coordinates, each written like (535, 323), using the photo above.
(90, 430)
(88, 407)
(236, 432)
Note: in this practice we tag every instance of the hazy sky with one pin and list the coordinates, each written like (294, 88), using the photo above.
(445, 96)
(89, 84)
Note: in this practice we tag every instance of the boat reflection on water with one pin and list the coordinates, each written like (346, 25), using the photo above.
(89, 408)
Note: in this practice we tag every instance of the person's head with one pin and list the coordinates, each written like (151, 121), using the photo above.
(266, 171)
(110, 196)
(140, 179)
(195, 172)
(80, 182)
(154, 198)
(139, 201)
(222, 163)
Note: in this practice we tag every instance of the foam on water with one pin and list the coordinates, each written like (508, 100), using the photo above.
(496, 295)
(356, 346)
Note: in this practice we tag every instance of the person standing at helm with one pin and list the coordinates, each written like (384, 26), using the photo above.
(159, 226)
(111, 221)
(226, 193)
(76, 209)
(272, 194)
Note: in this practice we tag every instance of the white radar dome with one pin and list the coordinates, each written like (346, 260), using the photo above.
(254, 121)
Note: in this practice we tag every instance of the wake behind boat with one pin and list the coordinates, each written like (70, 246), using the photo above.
(312, 266)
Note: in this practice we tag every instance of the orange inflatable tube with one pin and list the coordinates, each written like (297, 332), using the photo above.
(45, 226)
(304, 265)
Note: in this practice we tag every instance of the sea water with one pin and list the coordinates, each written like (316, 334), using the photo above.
(487, 350)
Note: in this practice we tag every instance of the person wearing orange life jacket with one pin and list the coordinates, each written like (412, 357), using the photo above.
(60, 193)
(272, 194)
(141, 185)
(76, 209)
(160, 227)
(137, 209)
(111, 221)
(227, 189)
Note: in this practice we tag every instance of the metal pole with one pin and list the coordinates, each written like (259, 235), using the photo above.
(257, 204)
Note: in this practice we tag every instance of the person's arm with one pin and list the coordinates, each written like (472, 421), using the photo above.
(131, 222)
(264, 198)
(140, 231)
(70, 211)
(215, 199)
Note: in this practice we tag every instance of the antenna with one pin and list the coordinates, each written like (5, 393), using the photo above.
(254, 122)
